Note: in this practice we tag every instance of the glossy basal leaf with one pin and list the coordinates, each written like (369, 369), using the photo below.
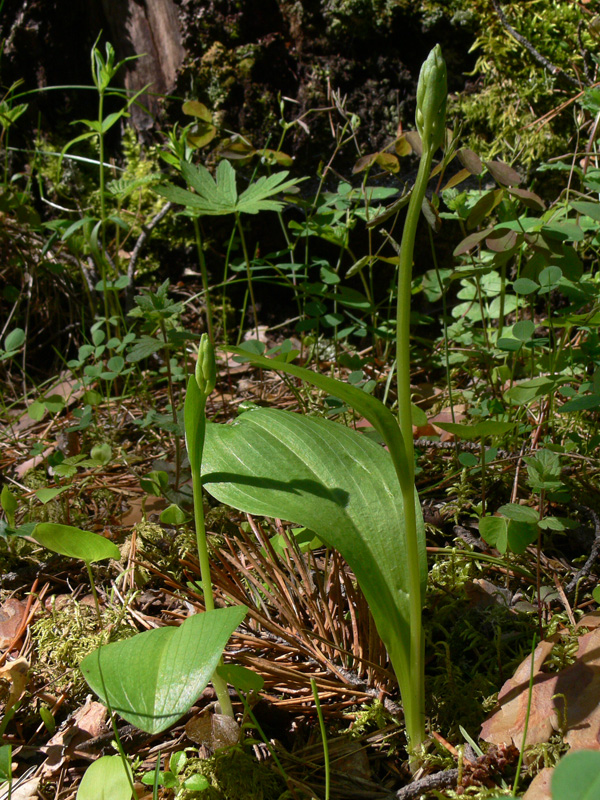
(372, 409)
(327, 477)
(106, 779)
(74, 542)
(154, 678)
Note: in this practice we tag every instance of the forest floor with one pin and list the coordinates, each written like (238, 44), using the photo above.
(307, 621)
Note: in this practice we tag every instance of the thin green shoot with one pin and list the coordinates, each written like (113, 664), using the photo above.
(527, 714)
(323, 737)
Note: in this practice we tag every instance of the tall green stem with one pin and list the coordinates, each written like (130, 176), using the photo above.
(219, 684)
(204, 276)
(415, 708)
(200, 386)
(430, 119)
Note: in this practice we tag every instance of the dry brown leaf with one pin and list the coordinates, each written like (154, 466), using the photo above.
(213, 730)
(134, 514)
(16, 673)
(539, 788)
(577, 687)
(86, 723)
(27, 790)
(11, 617)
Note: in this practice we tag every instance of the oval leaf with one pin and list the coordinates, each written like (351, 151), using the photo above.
(342, 486)
(470, 161)
(577, 776)
(502, 173)
(106, 779)
(470, 432)
(75, 543)
(154, 678)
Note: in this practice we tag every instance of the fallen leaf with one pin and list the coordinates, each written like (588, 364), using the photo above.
(213, 730)
(27, 790)
(12, 613)
(567, 700)
(86, 723)
(134, 514)
(16, 673)
(539, 788)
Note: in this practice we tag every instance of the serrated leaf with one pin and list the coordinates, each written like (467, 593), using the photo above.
(255, 198)
(144, 347)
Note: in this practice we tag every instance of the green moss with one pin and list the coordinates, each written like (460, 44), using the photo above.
(66, 635)
(234, 774)
(516, 90)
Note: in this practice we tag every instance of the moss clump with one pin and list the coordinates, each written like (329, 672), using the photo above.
(66, 636)
(234, 774)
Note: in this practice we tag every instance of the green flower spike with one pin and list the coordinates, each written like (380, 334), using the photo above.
(432, 91)
(206, 366)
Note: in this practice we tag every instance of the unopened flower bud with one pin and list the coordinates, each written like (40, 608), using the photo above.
(206, 366)
(432, 92)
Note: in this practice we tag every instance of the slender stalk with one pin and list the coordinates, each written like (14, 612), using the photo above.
(200, 386)
(248, 271)
(209, 604)
(94, 594)
(430, 119)
(204, 275)
(414, 706)
(315, 692)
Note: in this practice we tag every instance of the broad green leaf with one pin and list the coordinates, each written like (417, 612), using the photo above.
(106, 779)
(471, 432)
(45, 494)
(5, 762)
(587, 209)
(525, 286)
(154, 678)
(244, 679)
(36, 410)
(526, 391)
(332, 480)
(195, 109)
(524, 330)
(15, 339)
(521, 535)
(519, 513)
(372, 409)
(173, 515)
(582, 403)
(577, 776)
(74, 543)
(494, 531)
(9, 504)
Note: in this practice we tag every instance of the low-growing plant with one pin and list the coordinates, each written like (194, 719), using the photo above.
(354, 495)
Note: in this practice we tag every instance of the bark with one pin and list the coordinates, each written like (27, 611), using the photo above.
(149, 29)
